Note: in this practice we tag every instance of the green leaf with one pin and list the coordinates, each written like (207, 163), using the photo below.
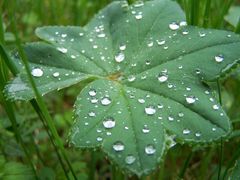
(233, 16)
(149, 72)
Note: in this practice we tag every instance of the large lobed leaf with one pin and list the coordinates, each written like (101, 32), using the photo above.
(149, 69)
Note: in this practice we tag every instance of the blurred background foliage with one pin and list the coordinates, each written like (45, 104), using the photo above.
(202, 161)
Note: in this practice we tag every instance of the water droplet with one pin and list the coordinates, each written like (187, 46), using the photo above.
(94, 100)
(185, 32)
(73, 57)
(150, 110)
(219, 58)
(118, 146)
(92, 92)
(150, 149)
(122, 47)
(197, 134)
(62, 50)
(131, 78)
(161, 42)
(148, 62)
(109, 123)
(81, 34)
(214, 129)
(215, 107)
(106, 101)
(186, 131)
(101, 35)
(64, 35)
(173, 26)
(183, 23)
(160, 106)
(170, 118)
(141, 101)
(180, 114)
(99, 139)
(162, 77)
(37, 72)
(190, 99)
(201, 34)
(145, 130)
(150, 44)
(130, 159)
(92, 114)
(119, 57)
(138, 16)
(56, 74)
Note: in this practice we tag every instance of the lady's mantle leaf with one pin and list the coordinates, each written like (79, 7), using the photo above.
(149, 68)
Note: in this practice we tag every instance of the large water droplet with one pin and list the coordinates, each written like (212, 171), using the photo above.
(118, 146)
(109, 123)
(119, 57)
(191, 99)
(150, 110)
(173, 26)
(37, 72)
(219, 58)
(130, 159)
(150, 149)
(106, 101)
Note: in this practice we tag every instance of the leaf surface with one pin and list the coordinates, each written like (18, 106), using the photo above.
(149, 71)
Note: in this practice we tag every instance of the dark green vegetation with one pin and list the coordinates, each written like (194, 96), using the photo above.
(32, 135)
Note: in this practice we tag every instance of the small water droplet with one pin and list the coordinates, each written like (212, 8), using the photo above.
(197, 134)
(190, 99)
(99, 139)
(62, 50)
(161, 42)
(170, 118)
(183, 23)
(145, 130)
(214, 129)
(131, 78)
(173, 26)
(141, 101)
(56, 74)
(118, 146)
(180, 114)
(130, 159)
(150, 44)
(109, 123)
(138, 16)
(92, 114)
(150, 110)
(94, 100)
(119, 57)
(185, 32)
(92, 92)
(150, 149)
(122, 47)
(105, 101)
(219, 58)
(101, 35)
(215, 107)
(186, 131)
(201, 34)
(81, 34)
(37, 72)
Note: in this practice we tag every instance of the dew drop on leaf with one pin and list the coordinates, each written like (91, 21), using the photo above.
(131, 78)
(106, 101)
(150, 149)
(219, 58)
(173, 26)
(197, 134)
(92, 114)
(161, 42)
(186, 131)
(145, 130)
(99, 139)
(162, 77)
(119, 57)
(62, 50)
(118, 146)
(56, 74)
(130, 159)
(190, 99)
(138, 16)
(109, 123)
(37, 72)
(92, 92)
(150, 110)
(215, 107)
(122, 47)
(141, 101)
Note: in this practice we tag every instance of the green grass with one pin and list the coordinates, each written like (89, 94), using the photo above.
(45, 147)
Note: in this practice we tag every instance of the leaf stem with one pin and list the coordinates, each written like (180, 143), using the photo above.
(185, 166)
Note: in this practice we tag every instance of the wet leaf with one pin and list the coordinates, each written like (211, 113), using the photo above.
(149, 71)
